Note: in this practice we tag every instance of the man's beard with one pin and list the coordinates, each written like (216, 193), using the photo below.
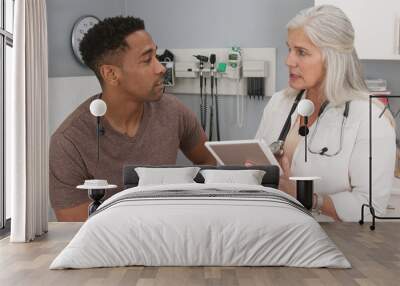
(157, 96)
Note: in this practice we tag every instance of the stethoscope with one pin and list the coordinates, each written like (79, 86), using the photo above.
(324, 151)
(277, 146)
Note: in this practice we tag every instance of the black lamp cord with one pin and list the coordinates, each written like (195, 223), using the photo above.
(212, 103)
(305, 138)
(98, 138)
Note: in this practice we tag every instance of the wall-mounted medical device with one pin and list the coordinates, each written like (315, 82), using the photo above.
(211, 73)
(233, 68)
(186, 69)
(169, 77)
(255, 72)
(166, 58)
(234, 64)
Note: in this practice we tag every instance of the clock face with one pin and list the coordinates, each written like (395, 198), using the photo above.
(82, 25)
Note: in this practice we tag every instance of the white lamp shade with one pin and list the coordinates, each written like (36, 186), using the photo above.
(98, 107)
(305, 107)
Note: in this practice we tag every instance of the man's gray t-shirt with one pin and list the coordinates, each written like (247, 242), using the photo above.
(166, 126)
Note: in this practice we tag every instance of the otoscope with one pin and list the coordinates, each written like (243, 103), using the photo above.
(217, 109)
(203, 101)
(212, 67)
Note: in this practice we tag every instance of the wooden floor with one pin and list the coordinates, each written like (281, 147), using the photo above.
(374, 255)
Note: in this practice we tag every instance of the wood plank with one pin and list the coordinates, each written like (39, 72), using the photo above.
(374, 255)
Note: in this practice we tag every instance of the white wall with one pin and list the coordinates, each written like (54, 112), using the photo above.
(66, 94)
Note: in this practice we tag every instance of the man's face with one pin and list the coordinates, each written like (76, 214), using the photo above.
(141, 74)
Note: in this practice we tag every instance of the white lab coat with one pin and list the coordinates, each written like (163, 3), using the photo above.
(345, 177)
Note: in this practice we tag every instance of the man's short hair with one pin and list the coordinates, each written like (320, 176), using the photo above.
(106, 39)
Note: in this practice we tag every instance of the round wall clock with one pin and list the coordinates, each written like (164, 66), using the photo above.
(81, 26)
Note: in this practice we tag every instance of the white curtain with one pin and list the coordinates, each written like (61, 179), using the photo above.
(27, 123)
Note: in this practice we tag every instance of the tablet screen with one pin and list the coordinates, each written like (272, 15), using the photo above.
(238, 152)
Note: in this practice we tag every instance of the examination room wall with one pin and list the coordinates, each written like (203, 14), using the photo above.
(187, 24)
(178, 24)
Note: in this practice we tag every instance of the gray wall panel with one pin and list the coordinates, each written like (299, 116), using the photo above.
(61, 16)
(182, 24)
(179, 24)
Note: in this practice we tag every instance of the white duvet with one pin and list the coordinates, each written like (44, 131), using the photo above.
(182, 231)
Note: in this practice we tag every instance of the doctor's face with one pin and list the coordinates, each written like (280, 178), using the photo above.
(305, 61)
(141, 74)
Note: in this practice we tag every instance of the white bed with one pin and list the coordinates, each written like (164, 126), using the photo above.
(224, 225)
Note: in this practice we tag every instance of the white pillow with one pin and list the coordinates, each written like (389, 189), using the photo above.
(163, 176)
(248, 177)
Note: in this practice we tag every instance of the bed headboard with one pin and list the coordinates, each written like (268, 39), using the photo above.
(270, 179)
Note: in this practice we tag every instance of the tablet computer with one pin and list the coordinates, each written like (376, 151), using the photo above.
(238, 152)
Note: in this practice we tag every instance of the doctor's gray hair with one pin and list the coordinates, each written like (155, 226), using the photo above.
(329, 29)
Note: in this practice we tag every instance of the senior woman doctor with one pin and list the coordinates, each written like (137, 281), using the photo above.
(324, 68)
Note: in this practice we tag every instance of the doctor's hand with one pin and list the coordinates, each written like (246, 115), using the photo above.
(249, 163)
(285, 184)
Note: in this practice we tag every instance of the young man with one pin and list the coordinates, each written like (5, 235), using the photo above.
(141, 125)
